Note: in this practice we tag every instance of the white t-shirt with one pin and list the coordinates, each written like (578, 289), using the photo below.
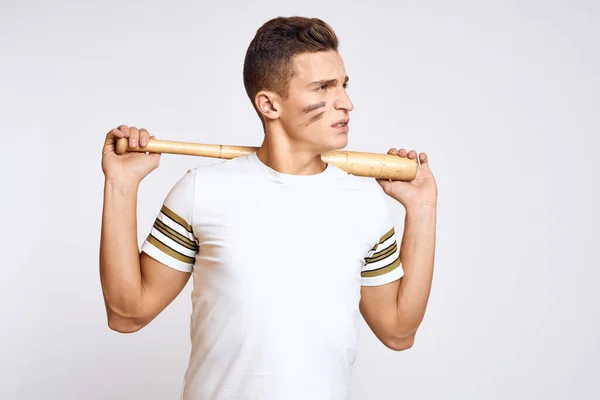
(278, 261)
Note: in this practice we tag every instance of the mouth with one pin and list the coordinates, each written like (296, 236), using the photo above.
(341, 123)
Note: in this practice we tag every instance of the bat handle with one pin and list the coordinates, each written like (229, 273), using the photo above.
(121, 146)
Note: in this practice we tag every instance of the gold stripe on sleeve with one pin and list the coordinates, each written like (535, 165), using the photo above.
(383, 239)
(381, 271)
(387, 235)
(169, 251)
(174, 235)
(383, 254)
(169, 213)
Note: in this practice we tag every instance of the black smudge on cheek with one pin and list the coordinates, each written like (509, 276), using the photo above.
(313, 107)
(314, 118)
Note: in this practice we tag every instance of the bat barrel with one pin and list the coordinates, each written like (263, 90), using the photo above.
(381, 166)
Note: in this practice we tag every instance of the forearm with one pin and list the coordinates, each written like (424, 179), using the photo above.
(417, 253)
(120, 272)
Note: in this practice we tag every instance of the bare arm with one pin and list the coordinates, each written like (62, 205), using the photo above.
(394, 311)
(136, 287)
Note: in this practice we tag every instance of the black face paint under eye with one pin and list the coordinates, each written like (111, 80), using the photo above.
(313, 107)
(314, 118)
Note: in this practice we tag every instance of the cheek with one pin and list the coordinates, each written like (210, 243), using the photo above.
(310, 112)
(314, 114)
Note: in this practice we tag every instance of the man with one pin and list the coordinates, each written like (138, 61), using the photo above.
(286, 251)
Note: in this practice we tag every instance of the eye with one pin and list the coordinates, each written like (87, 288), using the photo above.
(322, 87)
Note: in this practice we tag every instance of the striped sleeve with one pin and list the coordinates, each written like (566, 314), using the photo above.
(382, 263)
(171, 239)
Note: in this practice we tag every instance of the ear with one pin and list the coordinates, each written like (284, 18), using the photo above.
(268, 104)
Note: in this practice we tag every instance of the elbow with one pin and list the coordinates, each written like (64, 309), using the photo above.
(122, 322)
(399, 343)
(122, 325)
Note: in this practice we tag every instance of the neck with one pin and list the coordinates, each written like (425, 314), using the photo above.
(287, 156)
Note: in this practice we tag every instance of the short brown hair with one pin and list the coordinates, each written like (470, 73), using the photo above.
(269, 59)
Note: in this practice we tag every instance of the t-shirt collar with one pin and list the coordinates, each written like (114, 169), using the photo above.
(280, 177)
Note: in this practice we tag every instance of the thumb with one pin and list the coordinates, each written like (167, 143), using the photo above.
(154, 157)
(386, 185)
(109, 144)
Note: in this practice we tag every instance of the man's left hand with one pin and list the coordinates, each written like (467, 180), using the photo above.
(421, 191)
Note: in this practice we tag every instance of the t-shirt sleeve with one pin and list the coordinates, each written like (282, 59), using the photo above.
(382, 262)
(171, 239)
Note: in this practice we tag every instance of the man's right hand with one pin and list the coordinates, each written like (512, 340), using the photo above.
(131, 167)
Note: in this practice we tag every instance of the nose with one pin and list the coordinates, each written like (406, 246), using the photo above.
(342, 101)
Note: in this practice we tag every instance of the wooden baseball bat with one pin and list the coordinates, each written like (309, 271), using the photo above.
(374, 165)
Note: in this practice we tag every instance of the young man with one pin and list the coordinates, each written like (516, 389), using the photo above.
(286, 251)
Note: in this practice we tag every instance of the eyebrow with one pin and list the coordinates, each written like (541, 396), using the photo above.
(328, 82)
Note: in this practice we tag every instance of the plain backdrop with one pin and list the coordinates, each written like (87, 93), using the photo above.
(502, 95)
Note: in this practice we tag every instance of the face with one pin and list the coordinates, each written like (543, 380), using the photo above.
(316, 113)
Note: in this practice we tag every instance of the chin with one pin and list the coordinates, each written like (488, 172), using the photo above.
(335, 142)
(342, 141)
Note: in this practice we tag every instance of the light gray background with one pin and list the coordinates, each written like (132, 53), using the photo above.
(502, 95)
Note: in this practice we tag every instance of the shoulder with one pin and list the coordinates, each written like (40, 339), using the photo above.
(360, 185)
(365, 197)
(222, 168)
(373, 200)
(186, 182)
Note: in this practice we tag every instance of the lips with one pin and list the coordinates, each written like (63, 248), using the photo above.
(341, 123)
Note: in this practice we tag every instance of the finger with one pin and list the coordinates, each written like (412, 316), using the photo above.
(393, 151)
(402, 152)
(423, 159)
(111, 135)
(134, 137)
(412, 154)
(124, 129)
(144, 136)
(115, 132)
